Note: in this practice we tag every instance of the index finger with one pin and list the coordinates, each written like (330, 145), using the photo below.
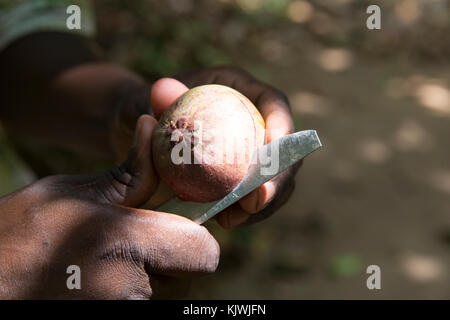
(272, 104)
(170, 244)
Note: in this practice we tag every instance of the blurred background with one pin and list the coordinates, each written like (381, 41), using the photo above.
(378, 192)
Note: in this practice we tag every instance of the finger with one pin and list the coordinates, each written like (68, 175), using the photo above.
(140, 165)
(164, 92)
(259, 198)
(278, 124)
(239, 213)
(278, 120)
(146, 253)
(169, 244)
(133, 182)
(286, 188)
(274, 107)
(272, 104)
(235, 216)
(232, 217)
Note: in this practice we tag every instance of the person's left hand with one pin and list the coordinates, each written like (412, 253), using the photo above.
(273, 106)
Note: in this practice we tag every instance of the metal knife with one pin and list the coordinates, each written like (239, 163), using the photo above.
(286, 151)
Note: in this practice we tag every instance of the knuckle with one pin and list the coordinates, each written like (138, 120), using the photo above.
(282, 96)
(112, 186)
(279, 95)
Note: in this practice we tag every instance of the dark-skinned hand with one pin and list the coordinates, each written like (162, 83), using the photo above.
(90, 221)
(273, 106)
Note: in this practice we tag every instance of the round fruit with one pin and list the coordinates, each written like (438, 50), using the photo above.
(203, 144)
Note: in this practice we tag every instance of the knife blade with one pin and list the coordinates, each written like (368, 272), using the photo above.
(267, 162)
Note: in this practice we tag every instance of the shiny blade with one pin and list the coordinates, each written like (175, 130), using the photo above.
(281, 154)
(267, 162)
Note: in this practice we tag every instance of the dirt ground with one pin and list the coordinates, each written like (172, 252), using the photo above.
(377, 193)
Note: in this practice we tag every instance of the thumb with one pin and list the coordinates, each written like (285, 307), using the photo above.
(133, 182)
(164, 92)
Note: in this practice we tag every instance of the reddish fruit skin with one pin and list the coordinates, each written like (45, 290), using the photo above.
(225, 115)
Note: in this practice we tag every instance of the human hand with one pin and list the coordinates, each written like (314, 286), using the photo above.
(273, 106)
(88, 221)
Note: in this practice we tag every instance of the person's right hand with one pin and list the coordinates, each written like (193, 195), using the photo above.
(88, 221)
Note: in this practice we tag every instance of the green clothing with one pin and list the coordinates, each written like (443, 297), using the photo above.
(21, 17)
